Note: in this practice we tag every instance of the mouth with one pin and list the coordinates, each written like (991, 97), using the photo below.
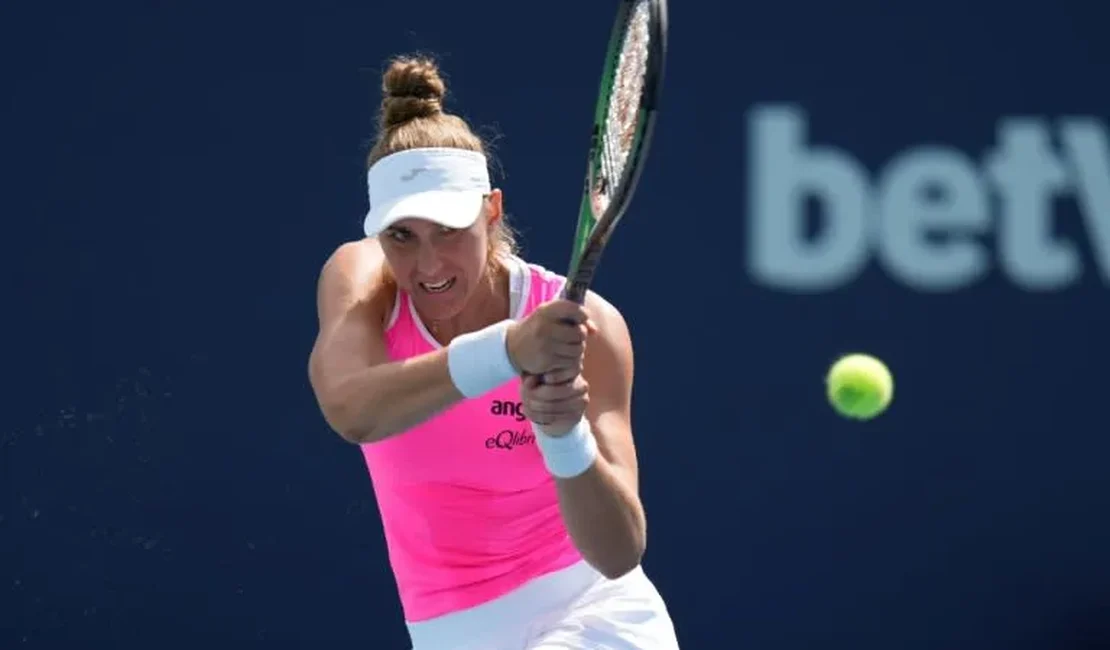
(438, 287)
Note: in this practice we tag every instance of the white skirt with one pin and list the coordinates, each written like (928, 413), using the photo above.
(570, 609)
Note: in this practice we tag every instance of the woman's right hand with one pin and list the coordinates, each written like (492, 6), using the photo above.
(553, 337)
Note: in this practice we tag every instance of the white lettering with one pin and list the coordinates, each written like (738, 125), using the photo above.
(785, 172)
(1028, 177)
(1088, 150)
(927, 215)
(933, 191)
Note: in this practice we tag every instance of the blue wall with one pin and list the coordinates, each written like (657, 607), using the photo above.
(175, 177)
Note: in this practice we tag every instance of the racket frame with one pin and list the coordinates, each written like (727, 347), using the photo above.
(592, 232)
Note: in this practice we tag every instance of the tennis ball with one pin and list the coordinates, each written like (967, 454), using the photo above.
(859, 386)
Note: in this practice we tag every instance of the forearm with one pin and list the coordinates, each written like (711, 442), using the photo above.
(604, 517)
(597, 495)
(380, 401)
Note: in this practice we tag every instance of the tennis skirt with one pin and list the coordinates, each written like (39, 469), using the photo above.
(570, 609)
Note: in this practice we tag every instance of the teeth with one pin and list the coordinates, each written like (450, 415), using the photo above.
(442, 285)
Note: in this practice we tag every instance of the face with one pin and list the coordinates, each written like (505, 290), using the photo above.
(441, 268)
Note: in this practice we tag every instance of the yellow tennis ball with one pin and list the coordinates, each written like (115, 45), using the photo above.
(859, 386)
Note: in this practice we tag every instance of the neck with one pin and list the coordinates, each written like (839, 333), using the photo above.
(488, 305)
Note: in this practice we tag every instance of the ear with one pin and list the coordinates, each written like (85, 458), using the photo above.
(494, 208)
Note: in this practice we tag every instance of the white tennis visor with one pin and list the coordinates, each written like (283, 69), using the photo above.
(443, 185)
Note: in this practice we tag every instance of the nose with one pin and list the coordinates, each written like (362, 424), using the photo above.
(427, 260)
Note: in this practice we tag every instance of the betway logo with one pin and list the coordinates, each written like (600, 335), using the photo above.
(923, 214)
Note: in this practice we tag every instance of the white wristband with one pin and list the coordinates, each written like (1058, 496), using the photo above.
(569, 455)
(478, 361)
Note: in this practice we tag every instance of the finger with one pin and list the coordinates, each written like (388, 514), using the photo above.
(558, 374)
(560, 371)
(539, 418)
(559, 392)
(567, 310)
(568, 333)
(567, 354)
(556, 361)
(543, 407)
(544, 412)
(562, 355)
(561, 375)
(552, 384)
(548, 397)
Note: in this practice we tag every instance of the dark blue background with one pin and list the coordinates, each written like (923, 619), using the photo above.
(175, 174)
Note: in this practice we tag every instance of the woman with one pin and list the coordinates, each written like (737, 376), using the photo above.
(510, 506)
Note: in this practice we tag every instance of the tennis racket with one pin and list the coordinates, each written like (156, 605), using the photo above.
(623, 121)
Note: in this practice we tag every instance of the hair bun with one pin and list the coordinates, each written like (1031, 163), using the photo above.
(411, 88)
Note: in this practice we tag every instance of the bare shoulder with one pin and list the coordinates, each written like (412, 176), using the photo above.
(351, 260)
(615, 349)
(608, 318)
(351, 277)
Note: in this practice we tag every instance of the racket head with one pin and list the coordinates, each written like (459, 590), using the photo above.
(624, 120)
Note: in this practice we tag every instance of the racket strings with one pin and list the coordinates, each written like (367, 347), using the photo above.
(623, 112)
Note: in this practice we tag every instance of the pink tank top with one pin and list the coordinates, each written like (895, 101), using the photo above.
(468, 509)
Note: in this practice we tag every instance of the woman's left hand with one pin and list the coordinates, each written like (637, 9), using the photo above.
(557, 404)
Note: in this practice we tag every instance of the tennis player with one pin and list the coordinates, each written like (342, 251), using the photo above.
(509, 502)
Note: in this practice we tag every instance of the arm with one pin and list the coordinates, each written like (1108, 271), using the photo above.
(363, 396)
(602, 507)
(366, 397)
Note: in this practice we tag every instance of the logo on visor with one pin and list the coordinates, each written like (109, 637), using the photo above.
(443, 178)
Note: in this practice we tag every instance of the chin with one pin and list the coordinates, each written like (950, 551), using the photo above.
(439, 306)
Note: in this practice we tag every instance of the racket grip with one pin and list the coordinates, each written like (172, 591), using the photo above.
(539, 378)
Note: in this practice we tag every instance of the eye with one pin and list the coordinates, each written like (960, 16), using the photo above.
(398, 235)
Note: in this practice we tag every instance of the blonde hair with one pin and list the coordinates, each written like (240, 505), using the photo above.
(412, 117)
